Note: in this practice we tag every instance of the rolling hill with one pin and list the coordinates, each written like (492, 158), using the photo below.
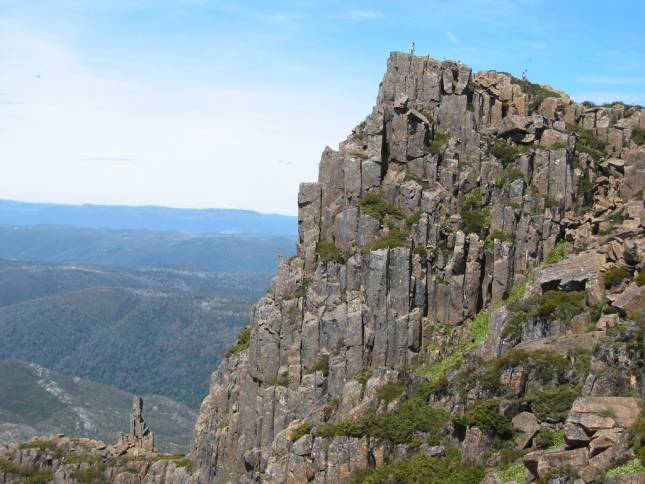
(155, 331)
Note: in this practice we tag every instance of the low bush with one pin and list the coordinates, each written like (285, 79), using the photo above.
(553, 404)
(364, 377)
(375, 205)
(489, 242)
(587, 142)
(640, 279)
(634, 466)
(508, 176)
(615, 275)
(390, 391)
(505, 153)
(485, 415)
(398, 427)
(514, 473)
(329, 252)
(423, 469)
(638, 135)
(242, 342)
(28, 476)
(474, 215)
(395, 237)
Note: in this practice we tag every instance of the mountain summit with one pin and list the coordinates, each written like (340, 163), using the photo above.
(466, 302)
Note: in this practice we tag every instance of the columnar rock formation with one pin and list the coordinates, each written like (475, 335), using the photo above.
(446, 197)
(466, 302)
(140, 437)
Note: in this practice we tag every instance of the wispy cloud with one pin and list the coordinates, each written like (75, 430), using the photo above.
(623, 80)
(452, 37)
(109, 159)
(357, 15)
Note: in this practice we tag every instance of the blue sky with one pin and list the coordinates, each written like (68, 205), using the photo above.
(203, 103)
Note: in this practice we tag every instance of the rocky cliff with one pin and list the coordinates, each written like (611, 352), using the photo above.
(466, 302)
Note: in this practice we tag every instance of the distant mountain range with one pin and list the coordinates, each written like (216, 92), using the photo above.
(154, 330)
(38, 401)
(191, 221)
(137, 248)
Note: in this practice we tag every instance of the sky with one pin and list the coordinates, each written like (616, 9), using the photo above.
(207, 104)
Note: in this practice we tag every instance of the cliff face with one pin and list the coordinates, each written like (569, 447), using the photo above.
(448, 196)
(466, 302)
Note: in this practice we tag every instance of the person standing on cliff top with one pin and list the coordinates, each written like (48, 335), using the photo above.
(413, 47)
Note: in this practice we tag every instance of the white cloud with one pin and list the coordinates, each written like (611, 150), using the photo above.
(364, 15)
(452, 38)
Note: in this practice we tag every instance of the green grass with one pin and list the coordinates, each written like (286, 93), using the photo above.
(514, 473)
(242, 342)
(364, 377)
(390, 391)
(439, 141)
(558, 253)
(634, 466)
(638, 135)
(329, 252)
(375, 205)
(90, 475)
(300, 431)
(615, 275)
(421, 469)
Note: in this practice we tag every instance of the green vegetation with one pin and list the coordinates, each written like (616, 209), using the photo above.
(390, 391)
(514, 473)
(366, 375)
(615, 275)
(485, 415)
(90, 475)
(395, 237)
(300, 291)
(587, 142)
(508, 176)
(548, 439)
(548, 306)
(538, 92)
(375, 205)
(329, 252)
(300, 431)
(38, 444)
(398, 427)
(28, 476)
(422, 469)
(505, 153)
(322, 364)
(637, 436)
(634, 466)
(558, 253)
(435, 371)
(489, 242)
(438, 143)
(640, 279)
(180, 460)
(553, 404)
(638, 135)
(242, 342)
(474, 215)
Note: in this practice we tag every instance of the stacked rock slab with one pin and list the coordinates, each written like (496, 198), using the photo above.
(388, 308)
